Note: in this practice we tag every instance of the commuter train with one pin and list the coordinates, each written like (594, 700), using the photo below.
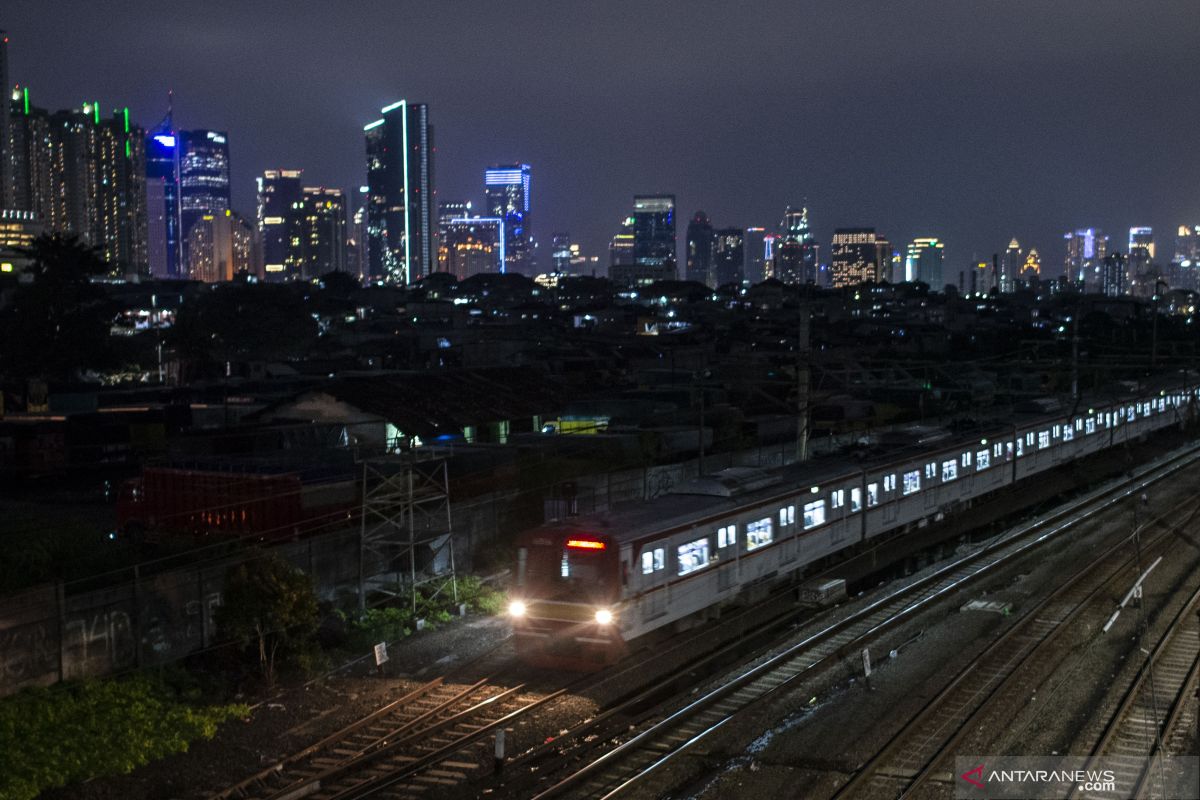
(587, 586)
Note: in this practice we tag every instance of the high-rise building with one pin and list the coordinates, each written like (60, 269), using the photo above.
(472, 246)
(1010, 266)
(1140, 262)
(401, 246)
(163, 215)
(1086, 249)
(795, 252)
(120, 190)
(220, 247)
(203, 177)
(698, 264)
(6, 153)
(858, 255)
(651, 242)
(729, 256)
(281, 214)
(322, 232)
(32, 176)
(1031, 269)
(506, 190)
(560, 252)
(924, 262)
(756, 254)
(1187, 243)
(453, 209)
(1113, 272)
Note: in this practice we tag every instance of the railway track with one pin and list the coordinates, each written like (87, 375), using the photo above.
(594, 769)
(1154, 720)
(405, 747)
(1004, 675)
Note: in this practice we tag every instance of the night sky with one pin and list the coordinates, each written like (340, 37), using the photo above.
(969, 120)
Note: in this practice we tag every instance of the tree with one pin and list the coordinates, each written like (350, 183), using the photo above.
(268, 607)
(60, 318)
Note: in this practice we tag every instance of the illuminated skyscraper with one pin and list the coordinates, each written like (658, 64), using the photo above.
(401, 233)
(472, 246)
(280, 223)
(506, 189)
(1112, 272)
(164, 222)
(729, 256)
(1086, 249)
(651, 238)
(560, 252)
(1187, 244)
(1010, 266)
(1140, 261)
(858, 255)
(322, 232)
(698, 265)
(796, 251)
(203, 178)
(32, 167)
(220, 247)
(1031, 269)
(924, 263)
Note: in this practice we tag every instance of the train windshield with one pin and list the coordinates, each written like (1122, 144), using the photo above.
(562, 566)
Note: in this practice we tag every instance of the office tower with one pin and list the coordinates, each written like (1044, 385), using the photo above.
(280, 223)
(1140, 262)
(506, 192)
(698, 264)
(164, 223)
(1112, 275)
(647, 239)
(220, 247)
(400, 200)
(729, 256)
(120, 224)
(1010, 266)
(322, 232)
(1031, 268)
(472, 246)
(795, 252)
(756, 254)
(203, 177)
(560, 252)
(453, 209)
(1187, 243)
(857, 255)
(981, 278)
(924, 262)
(356, 243)
(1086, 249)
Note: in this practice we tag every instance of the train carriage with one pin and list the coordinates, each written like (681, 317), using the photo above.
(586, 587)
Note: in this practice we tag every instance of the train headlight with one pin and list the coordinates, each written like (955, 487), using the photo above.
(516, 609)
(604, 616)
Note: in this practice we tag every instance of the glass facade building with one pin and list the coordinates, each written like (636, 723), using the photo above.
(506, 192)
(400, 194)
(203, 178)
(280, 215)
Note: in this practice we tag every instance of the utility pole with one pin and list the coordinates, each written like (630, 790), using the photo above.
(802, 380)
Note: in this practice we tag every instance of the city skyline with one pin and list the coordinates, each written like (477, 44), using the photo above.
(981, 178)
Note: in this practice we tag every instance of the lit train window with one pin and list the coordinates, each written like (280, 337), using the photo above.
(837, 499)
(931, 470)
(814, 514)
(759, 533)
(966, 459)
(1043, 440)
(912, 482)
(692, 556)
(653, 560)
(726, 536)
(1089, 424)
(982, 460)
(1020, 447)
(872, 495)
(855, 500)
(1028, 441)
(949, 470)
(998, 450)
(1079, 426)
(889, 482)
(1068, 433)
(787, 515)
(1008, 450)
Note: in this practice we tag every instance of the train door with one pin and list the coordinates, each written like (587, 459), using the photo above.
(652, 569)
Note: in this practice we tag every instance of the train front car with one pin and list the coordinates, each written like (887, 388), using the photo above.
(564, 602)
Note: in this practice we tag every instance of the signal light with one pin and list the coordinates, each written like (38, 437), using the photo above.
(585, 544)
